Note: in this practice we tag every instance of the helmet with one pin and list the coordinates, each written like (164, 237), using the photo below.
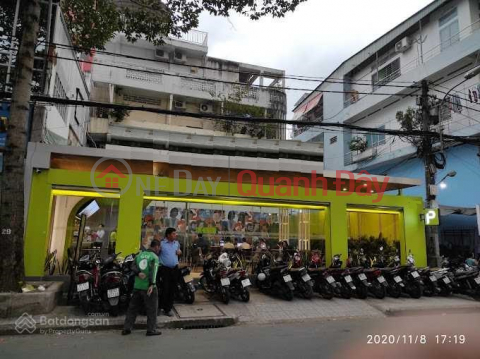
(223, 259)
(261, 277)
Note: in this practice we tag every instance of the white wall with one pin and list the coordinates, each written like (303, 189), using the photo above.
(72, 79)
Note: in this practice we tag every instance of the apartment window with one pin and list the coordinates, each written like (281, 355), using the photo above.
(59, 92)
(333, 140)
(376, 139)
(386, 74)
(449, 29)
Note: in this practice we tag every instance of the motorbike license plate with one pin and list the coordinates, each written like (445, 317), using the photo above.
(397, 279)
(415, 274)
(362, 276)
(446, 280)
(287, 278)
(225, 282)
(112, 293)
(330, 279)
(83, 286)
(477, 280)
(381, 279)
(348, 279)
(188, 279)
(433, 278)
(306, 277)
(246, 282)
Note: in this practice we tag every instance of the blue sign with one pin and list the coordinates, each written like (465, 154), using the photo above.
(4, 117)
(3, 140)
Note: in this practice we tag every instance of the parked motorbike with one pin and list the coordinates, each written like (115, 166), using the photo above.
(273, 278)
(323, 283)
(413, 281)
(431, 286)
(185, 291)
(302, 282)
(84, 282)
(347, 288)
(465, 279)
(112, 291)
(239, 281)
(214, 279)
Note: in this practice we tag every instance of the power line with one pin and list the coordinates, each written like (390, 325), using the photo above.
(289, 77)
(414, 133)
(230, 82)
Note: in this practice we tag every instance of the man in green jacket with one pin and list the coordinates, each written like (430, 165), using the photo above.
(144, 290)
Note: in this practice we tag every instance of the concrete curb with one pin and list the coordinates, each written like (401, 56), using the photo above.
(390, 312)
(117, 324)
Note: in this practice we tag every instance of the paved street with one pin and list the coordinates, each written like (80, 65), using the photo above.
(346, 338)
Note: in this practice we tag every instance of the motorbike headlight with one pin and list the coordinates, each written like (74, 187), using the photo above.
(261, 277)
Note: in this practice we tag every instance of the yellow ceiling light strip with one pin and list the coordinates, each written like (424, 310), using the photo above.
(373, 210)
(234, 202)
(65, 192)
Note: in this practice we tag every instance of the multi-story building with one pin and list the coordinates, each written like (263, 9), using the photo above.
(57, 73)
(179, 76)
(440, 44)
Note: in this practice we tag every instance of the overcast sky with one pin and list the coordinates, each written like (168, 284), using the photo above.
(312, 41)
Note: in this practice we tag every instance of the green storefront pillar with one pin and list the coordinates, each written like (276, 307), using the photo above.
(38, 223)
(338, 221)
(129, 222)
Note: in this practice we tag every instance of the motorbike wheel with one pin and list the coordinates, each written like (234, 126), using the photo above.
(189, 297)
(205, 286)
(245, 295)
(287, 294)
(85, 307)
(345, 292)
(378, 290)
(429, 290)
(394, 291)
(326, 291)
(362, 292)
(307, 291)
(113, 311)
(225, 295)
(415, 290)
(445, 292)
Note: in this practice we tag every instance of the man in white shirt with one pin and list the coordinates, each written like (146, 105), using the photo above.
(99, 236)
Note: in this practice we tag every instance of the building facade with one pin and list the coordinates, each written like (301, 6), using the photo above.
(139, 192)
(440, 44)
(179, 76)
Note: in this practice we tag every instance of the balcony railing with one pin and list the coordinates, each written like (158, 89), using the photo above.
(195, 37)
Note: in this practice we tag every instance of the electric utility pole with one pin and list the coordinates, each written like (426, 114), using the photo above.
(433, 245)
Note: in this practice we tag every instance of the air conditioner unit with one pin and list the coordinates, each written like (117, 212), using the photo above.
(403, 45)
(179, 57)
(161, 54)
(206, 108)
(180, 105)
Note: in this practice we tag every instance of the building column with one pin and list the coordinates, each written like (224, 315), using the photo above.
(337, 240)
(38, 224)
(412, 228)
(129, 222)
